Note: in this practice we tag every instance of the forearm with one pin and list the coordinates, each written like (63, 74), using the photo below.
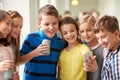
(24, 59)
(58, 75)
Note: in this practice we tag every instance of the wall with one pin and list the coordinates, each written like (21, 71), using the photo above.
(23, 8)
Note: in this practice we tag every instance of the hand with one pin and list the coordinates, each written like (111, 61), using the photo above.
(38, 51)
(16, 76)
(6, 65)
(91, 64)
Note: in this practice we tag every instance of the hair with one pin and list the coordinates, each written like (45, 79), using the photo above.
(2, 14)
(109, 23)
(48, 10)
(87, 18)
(15, 42)
(14, 14)
(68, 20)
(4, 41)
(67, 12)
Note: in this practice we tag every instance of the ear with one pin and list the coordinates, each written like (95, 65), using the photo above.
(38, 24)
(116, 33)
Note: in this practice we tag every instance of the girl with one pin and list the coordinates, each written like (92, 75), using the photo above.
(86, 31)
(70, 65)
(6, 54)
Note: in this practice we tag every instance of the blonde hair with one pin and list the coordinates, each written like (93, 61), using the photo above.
(87, 18)
(15, 42)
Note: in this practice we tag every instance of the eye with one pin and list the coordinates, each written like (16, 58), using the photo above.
(72, 30)
(89, 30)
(46, 24)
(14, 25)
(55, 23)
(20, 26)
(7, 23)
(64, 33)
(81, 31)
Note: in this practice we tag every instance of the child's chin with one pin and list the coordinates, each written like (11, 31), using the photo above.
(51, 36)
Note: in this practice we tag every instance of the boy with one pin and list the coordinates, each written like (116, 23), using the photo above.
(107, 32)
(43, 67)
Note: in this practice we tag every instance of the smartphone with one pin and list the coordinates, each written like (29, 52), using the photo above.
(87, 55)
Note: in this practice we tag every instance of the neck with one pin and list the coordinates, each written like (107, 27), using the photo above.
(116, 45)
(92, 43)
(72, 45)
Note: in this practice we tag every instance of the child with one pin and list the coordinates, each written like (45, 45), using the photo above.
(15, 35)
(5, 24)
(86, 31)
(43, 67)
(71, 60)
(6, 54)
(107, 33)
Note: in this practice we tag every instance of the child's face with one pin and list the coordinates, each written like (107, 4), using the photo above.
(16, 27)
(5, 26)
(69, 33)
(49, 24)
(86, 32)
(107, 39)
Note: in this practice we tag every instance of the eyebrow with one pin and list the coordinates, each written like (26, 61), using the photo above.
(9, 21)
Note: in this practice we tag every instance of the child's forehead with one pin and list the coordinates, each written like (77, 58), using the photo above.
(86, 25)
(48, 16)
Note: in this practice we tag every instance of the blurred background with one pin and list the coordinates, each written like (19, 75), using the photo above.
(29, 10)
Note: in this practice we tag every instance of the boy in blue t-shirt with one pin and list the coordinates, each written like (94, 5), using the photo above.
(43, 67)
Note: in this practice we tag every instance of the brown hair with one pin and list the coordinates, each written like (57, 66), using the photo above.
(109, 23)
(48, 10)
(4, 41)
(68, 20)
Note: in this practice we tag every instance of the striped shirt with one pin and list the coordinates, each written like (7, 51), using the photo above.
(42, 67)
(111, 66)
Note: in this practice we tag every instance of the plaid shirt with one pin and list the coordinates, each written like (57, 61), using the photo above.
(111, 66)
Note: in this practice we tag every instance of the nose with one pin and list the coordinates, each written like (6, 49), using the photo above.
(69, 34)
(51, 27)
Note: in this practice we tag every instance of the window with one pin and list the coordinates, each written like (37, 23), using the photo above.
(1, 6)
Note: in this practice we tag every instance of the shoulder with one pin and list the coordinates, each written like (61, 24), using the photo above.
(84, 46)
(34, 34)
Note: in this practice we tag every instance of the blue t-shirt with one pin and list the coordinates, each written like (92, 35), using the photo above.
(42, 67)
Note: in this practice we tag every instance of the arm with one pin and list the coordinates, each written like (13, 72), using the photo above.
(35, 53)
(59, 68)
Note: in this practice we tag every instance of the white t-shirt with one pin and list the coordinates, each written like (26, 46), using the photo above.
(6, 53)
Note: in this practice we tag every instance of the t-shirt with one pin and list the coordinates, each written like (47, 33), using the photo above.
(71, 63)
(98, 52)
(6, 53)
(41, 67)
